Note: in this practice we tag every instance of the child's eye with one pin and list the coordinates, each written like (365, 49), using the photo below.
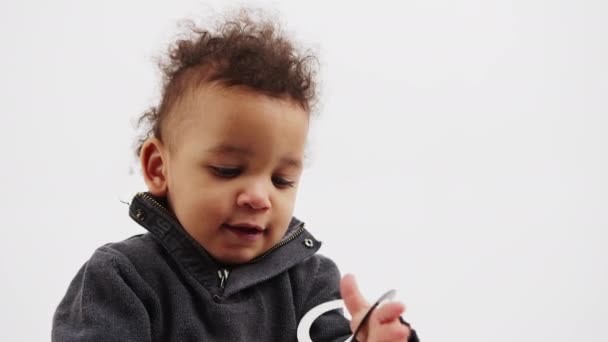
(225, 172)
(281, 182)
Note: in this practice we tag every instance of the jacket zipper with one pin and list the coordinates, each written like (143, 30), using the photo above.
(287, 240)
(156, 204)
(224, 273)
(295, 234)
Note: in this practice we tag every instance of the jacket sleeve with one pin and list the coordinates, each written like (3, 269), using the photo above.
(101, 303)
(332, 326)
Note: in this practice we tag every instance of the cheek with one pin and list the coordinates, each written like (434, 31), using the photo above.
(214, 202)
(206, 205)
(202, 215)
(284, 204)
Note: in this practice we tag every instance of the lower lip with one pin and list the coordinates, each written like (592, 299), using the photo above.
(247, 235)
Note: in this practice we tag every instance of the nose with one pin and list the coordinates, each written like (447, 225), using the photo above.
(256, 197)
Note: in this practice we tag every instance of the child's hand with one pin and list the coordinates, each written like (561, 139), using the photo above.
(383, 324)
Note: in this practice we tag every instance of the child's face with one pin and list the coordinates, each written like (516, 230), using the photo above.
(232, 167)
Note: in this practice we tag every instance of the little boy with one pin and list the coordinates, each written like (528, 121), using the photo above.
(223, 259)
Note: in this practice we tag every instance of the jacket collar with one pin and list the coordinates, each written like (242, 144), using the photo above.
(153, 214)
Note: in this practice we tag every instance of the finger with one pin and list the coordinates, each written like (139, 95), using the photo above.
(356, 305)
(393, 331)
(388, 312)
(353, 299)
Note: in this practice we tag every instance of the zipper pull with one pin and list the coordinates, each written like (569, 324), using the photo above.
(223, 275)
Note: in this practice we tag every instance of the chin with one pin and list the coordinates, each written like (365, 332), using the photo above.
(240, 258)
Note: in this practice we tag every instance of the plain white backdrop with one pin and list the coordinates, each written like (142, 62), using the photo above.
(460, 155)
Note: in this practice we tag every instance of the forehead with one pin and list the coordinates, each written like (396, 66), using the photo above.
(237, 120)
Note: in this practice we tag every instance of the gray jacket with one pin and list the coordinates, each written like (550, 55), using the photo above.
(163, 286)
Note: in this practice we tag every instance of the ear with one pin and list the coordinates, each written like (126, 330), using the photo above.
(153, 164)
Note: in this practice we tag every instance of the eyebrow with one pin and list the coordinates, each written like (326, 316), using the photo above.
(291, 162)
(227, 149)
(230, 149)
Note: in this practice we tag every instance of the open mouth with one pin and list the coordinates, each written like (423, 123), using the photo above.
(245, 232)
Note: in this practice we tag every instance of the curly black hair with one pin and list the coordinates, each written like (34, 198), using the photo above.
(240, 51)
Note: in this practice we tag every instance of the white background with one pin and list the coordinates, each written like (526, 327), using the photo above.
(460, 155)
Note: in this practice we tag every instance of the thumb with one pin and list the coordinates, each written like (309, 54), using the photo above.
(354, 301)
